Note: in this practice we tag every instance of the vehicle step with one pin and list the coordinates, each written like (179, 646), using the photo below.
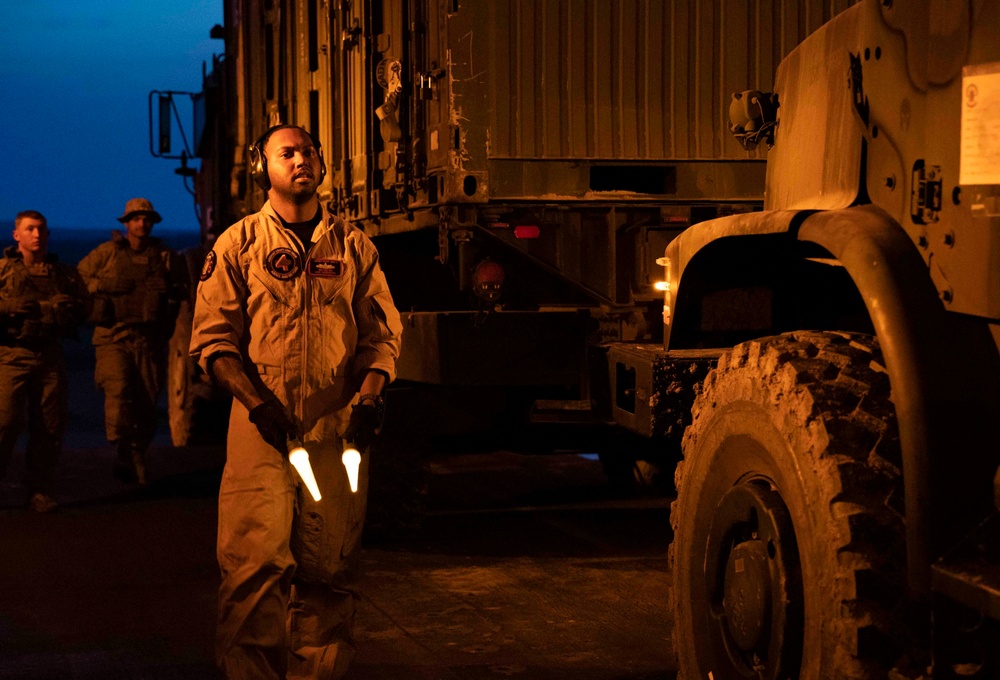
(970, 573)
(563, 411)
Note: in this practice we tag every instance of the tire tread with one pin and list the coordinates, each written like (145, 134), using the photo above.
(835, 403)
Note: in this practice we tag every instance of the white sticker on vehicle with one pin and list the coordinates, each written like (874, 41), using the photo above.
(980, 152)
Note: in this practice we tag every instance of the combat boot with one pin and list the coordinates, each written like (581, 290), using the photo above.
(41, 502)
(124, 470)
(139, 465)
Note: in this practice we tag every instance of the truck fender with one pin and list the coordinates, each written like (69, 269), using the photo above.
(943, 368)
(944, 373)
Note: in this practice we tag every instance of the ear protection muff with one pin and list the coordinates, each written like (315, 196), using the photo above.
(258, 160)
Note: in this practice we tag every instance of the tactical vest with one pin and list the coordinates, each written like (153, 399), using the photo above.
(148, 272)
(39, 284)
(146, 275)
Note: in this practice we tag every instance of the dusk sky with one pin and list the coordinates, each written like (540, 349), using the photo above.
(75, 76)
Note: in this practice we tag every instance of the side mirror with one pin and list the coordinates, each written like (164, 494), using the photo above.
(753, 116)
(164, 115)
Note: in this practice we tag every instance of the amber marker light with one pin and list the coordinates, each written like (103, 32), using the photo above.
(664, 286)
(352, 461)
(299, 458)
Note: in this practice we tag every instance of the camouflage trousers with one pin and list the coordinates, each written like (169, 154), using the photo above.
(130, 372)
(289, 563)
(33, 391)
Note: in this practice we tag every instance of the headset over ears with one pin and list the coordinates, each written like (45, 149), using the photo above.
(258, 160)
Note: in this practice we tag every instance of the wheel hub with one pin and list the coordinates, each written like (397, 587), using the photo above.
(753, 584)
(747, 593)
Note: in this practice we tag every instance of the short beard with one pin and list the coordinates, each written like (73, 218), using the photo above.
(301, 194)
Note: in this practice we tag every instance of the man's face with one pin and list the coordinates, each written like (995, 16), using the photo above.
(31, 235)
(139, 225)
(292, 164)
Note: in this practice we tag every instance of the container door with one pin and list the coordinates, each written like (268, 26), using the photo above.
(355, 162)
(393, 72)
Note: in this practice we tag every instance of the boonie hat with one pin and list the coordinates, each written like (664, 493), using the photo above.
(139, 205)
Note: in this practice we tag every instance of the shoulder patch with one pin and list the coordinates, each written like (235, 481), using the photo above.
(282, 264)
(328, 269)
(208, 267)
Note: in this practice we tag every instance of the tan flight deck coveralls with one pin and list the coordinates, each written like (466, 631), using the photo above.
(32, 364)
(308, 326)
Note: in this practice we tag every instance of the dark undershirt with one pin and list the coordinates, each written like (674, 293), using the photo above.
(304, 230)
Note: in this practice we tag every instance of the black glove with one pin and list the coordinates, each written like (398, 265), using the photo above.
(66, 310)
(366, 419)
(274, 425)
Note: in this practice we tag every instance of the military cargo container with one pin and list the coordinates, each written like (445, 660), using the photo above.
(520, 165)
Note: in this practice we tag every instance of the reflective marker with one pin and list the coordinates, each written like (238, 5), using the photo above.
(299, 458)
(352, 460)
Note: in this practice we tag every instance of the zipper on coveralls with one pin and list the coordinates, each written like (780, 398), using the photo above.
(304, 359)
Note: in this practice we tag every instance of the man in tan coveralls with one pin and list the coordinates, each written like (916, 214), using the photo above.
(41, 302)
(293, 316)
(137, 284)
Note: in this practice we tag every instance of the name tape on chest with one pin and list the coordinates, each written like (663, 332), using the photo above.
(327, 269)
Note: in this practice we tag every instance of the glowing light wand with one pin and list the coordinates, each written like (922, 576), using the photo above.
(352, 461)
(299, 458)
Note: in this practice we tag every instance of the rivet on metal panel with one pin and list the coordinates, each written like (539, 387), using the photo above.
(890, 182)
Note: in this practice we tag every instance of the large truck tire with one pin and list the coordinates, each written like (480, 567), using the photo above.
(788, 550)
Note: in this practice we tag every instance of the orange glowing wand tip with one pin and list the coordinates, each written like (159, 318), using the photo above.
(352, 461)
(299, 458)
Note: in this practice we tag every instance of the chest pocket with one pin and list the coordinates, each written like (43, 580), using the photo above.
(329, 278)
(36, 285)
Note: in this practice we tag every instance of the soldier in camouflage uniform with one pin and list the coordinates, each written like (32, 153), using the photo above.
(137, 284)
(41, 302)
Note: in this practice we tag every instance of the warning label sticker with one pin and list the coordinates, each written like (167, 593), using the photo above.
(980, 154)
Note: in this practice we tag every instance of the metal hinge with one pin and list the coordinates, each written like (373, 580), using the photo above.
(925, 193)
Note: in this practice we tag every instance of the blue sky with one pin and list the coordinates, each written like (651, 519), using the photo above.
(75, 76)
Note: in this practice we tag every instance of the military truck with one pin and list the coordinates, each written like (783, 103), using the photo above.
(520, 166)
(570, 233)
(835, 512)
